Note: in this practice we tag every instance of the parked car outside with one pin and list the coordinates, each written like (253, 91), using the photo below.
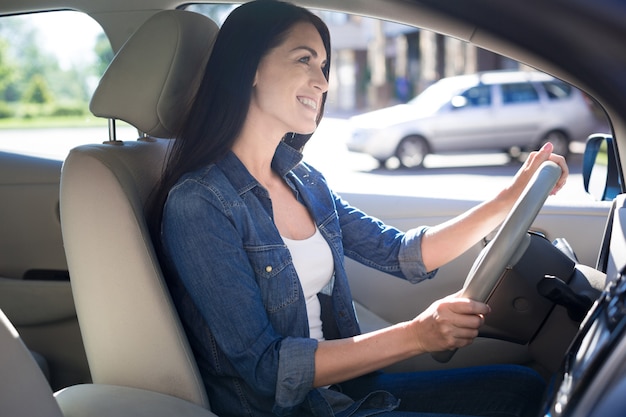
(503, 111)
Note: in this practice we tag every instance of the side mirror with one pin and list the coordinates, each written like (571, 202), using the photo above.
(458, 102)
(602, 176)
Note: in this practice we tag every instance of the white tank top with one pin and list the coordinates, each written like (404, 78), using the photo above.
(313, 261)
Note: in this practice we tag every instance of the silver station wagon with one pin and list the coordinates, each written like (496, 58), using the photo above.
(502, 111)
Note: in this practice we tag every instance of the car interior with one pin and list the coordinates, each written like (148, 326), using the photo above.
(96, 284)
(110, 200)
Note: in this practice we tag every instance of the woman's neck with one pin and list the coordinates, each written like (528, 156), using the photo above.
(258, 162)
(255, 148)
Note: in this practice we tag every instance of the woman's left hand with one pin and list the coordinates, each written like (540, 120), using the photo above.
(530, 166)
(444, 242)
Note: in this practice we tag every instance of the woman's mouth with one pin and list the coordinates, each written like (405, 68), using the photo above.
(310, 103)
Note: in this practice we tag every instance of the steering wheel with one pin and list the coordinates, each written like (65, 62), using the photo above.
(510, 242)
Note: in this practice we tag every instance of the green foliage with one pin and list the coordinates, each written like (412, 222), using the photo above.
(216, 12)
(37, 91)
(52, 122)
(104, 53)
(7, 69)
(32, 82)
(62, 110)
(6, 110)
(31, 111)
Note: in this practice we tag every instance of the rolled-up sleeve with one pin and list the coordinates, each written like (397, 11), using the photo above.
(410, 256)
(296, 371)
(371, 242)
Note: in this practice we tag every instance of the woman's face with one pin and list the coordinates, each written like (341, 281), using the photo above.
(290, 82)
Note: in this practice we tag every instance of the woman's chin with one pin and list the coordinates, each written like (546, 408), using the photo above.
(306, 130)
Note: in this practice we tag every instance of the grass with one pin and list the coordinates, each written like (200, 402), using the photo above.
(52, 122)
(602, 157)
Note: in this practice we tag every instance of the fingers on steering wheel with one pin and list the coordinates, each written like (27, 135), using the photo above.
(545, 154)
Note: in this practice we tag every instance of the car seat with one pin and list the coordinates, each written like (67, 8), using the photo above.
(24, 389)
(131, 331)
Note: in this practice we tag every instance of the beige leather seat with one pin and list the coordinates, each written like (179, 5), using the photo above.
(132, 334)
(24, 390)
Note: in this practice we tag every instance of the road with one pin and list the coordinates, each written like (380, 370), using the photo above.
(464, 176)
(451, 176)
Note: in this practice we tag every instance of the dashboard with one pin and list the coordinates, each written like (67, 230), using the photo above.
(592, 379)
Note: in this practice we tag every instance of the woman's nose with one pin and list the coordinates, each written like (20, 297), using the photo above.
(320, 81)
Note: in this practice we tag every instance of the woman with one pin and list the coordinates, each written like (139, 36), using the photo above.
(254, 244)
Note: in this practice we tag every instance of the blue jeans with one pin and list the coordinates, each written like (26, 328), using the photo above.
(495, 390)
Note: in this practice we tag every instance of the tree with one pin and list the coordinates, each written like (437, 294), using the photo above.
(8, 74)
(31, 74)
(37, 91)
(22, 62)
(216, 12)
(104, 53)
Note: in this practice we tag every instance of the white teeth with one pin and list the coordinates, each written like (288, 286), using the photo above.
(308, 102)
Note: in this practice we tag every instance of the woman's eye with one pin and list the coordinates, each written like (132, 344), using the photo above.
(305, 59)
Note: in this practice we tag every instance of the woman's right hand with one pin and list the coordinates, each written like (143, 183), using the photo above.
(449, 323)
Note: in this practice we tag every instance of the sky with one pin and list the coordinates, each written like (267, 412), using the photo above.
(69, 35)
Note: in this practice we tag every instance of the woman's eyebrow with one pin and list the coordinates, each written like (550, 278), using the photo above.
(306, 48)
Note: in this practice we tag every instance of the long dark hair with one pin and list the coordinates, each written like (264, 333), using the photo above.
(220, 106)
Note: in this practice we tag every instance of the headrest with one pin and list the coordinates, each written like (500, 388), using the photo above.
(154, 75)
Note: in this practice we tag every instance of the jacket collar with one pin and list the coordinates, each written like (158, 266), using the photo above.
(285, 159)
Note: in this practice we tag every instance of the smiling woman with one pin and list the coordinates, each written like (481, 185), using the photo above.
(262, 267)
(290, 85)
(274, 337)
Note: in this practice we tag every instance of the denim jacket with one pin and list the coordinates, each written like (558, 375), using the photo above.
(239, 297)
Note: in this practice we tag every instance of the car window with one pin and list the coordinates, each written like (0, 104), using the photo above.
(50, 64)
(379, 66)
(48, 73)
(557, 90)
(519, 93)
(478, 96)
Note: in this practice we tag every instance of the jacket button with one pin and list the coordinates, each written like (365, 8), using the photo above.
(268, 268)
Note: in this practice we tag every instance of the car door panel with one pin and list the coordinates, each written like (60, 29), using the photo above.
(519, 114)
(458, 129)
(31, 239)
(29, 303)
(468, 126)
(35, 291)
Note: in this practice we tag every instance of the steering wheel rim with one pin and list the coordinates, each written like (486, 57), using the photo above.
(501, 250)
(509, 241)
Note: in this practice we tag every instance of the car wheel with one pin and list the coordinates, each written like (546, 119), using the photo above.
(382, 163)
(559, 140)
(411, 151)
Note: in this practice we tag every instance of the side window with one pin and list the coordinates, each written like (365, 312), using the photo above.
(386, 77)
(519, 93)
(50, 64)
(478, 96)
(557, 90)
